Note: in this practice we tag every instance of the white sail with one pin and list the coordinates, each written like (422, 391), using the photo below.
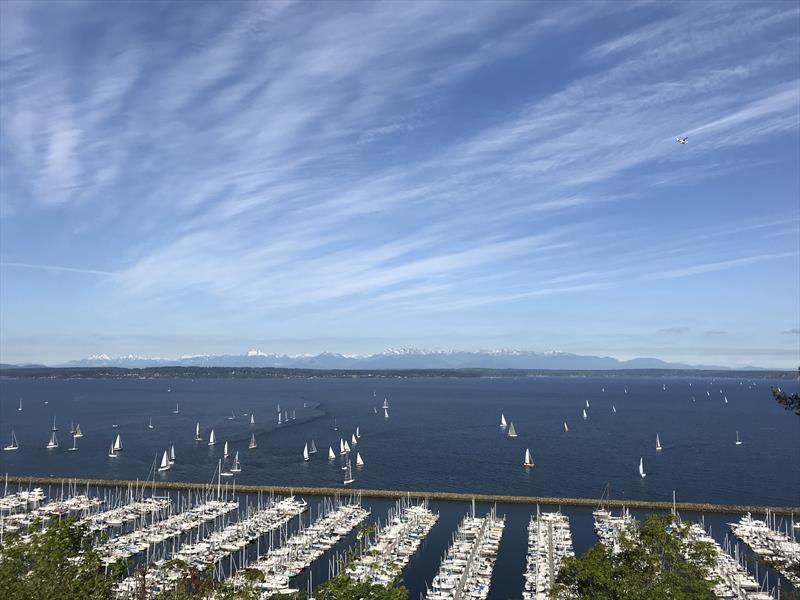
(331, 453)
(738, 441)
(584, 413)
(658, 443)
(78, 432)
(642, 474)
(252, 419)
(279, 418)
(375, 409)
(385, 403)
(172, 453)
(279, 409)
(313, 448)
(726, 399)
(197, 437)
(74, 445)
(20, 405)
(53, 443)
(164, 462)
(358, 433)
(348, 477)
(346, 446)
(305, 452)
(150, 423)
(385, 413)
(359, 460)
(253, 443)
(117, 443)
(502, 420)
(111, 452)
(341, 446)
(353, 439)
(212, 439)
(14, 444)
(54, 428)
(225, 450)
(237, 466)
(613, 409)
(565, 426)
(587, 404)
(511, 431)
(528, 458)
(177, 410)
(294, 415)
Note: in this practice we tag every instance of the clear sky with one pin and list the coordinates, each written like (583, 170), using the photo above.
(182, 178)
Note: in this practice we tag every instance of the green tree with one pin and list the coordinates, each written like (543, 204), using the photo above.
(343, 587)
(55, 562)
(658, 560)
(788, 401)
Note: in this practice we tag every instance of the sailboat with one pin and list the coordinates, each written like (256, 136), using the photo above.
(150, 423)
(279, 418)
(232, 417)
(726, 399)
(212, 439)
(72, 428)
(613, 409)
(237, 466)
(584, 413)
(511, 431)
(197, 437)
(164, 462)
(78, 433)
(177, 410)
(346, 446)
(225, 450)
(565, 426)
(359, 460)
(53, 443)
(658, 443)
(171, 453)
(305, 453)
(385, 413)
(111, 452)
(642, 474)
(286, 416)
(279, 409)
(341, 446)
(117, 444)
(385, 403)
(252, 419)
(358, 433)
(502, 420)
(528, 459)
(14, 445)
(375, 409)
(20, 405)
(664, 387)
(74, 445)
(738, 441)
(54, 428)
(587, 404)
(294, 415)
(353, 439)
(348, 476)
(331, 453)
(313, 449)
(335, 427)
(253, 443)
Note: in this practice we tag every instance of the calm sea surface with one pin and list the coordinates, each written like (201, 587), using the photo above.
(441, 435)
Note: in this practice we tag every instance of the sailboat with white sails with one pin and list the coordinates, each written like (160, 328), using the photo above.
(358, 433)
(53, 443)
(359, 460)
(503, 420)
(111, 452)
(331, 453)
(253, 443)
(738, 441)
(584, 413)
(197, 437)
(385, 403)
(172, 453)
(225, 450)
(313, 448)
(14, 445)
(177, 409)
(78, 433)
(385, 413)
(346, 446)
(306, 457)
(165, 466)
(236, 467)
(117, 446)
(565, 426)
(348, 476)
(212, 439)
(528, 459)
(150, 423)
(511, 431)
(341, 446)
(353, 439)
(74, 445)
(252, 419)
(658, 443)
(20, 405)
(642, 474)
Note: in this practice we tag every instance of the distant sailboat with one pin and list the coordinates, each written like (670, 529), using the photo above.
(613, 409)
(738, 441)
(511, 431)
(20, 405)
(232, 417)
(225, 450)
(164, 462)
(503, 420)
(78, 433)
(584, 413)
(358, 433)
(294, 415)
(385, 413)
(658, 443)
(117, 444)
(114, 426)
(237, 466)
(331, 453)
(53, 443)
(664, 387)
(253, 443)
(642, 474)
(375, 409)
(279, 409)
(726, 399)
(528, 458)
(279, 418)
(385, 403)
(14, 445)
(171, 453)
(346, 446)
(197, 437)
(341, 446)
(150, 423)
(305, 453)
(111, 452)
(335, 427)
(313, 448)
(74, 445)
(626, 389)
(587, 404)
(359, 460)
(54, 428)
(212, 439)
(72, 428)
(565, 426)
(252, 419)
(353, 439)
(177, 410)
(348, 476)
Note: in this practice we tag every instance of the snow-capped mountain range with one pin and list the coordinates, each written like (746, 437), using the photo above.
(394, 358)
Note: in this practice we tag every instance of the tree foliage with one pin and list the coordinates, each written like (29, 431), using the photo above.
(55, 561)
(659, 560)
(788, 401)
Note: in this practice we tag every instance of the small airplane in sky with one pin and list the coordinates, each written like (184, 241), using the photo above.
(682, 140)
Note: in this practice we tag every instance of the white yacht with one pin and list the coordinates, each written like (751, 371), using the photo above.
(253, 443)
(212, 439)
(164, 462)
(511, 431)
(642, 474)
(53, 443)
(528, 458)
(305, 453)
(14, 445)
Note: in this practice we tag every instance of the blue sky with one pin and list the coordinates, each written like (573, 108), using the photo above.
(182, 178)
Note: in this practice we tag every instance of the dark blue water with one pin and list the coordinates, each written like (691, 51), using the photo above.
(442, 434)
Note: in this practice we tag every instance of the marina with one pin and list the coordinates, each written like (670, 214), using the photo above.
(776, 547)
(549, 542)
